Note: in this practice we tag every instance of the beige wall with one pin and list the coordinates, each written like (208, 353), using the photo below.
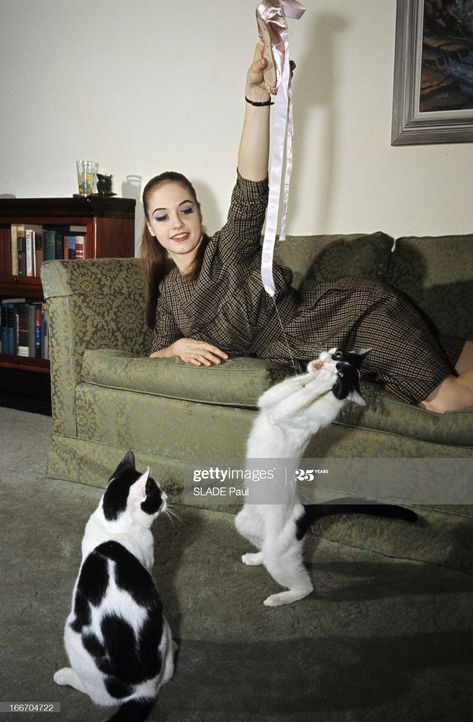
(146, 86)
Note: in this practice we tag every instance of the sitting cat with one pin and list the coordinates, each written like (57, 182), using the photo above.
(291, 412)
(116, 636)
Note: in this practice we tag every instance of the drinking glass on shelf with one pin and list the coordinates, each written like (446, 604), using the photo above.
(87, 176)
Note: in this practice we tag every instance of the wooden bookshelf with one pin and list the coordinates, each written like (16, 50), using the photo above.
(110, 233)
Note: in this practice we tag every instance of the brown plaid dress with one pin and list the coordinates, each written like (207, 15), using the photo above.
(228, 307)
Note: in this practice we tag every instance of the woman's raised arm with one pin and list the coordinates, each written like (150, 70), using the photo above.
(254, 144)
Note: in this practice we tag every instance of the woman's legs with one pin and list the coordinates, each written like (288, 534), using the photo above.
(455, 393)
(465, 360)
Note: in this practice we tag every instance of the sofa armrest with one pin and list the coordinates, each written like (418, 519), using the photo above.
(92, 304)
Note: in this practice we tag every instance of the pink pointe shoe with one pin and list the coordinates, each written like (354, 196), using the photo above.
(272, 30)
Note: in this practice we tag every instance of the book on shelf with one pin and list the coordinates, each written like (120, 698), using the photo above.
(34, 249)
(24, 247)
(8, 323)
(14, 248)
(44, 332)
(31, 330)
(21, 249)
(80, 247)
(24, 329)
(38, 249)
(5, 250)
(22, 348)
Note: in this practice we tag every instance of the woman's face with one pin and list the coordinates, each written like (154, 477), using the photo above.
(176, 222)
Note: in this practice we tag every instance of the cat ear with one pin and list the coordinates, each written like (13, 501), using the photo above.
(362, 354)
(138, 489)
(128, 462)
(356, 397)
(356, 358)
(129, 459)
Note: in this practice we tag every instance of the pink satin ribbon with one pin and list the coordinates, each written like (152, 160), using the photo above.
(272, 24)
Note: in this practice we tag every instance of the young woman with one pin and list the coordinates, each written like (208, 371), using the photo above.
(206, 301)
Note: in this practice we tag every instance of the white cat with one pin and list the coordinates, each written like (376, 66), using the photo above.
(291, 412)
(117, 638)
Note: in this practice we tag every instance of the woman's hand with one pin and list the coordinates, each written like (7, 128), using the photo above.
(255, 86)
(195, 352)
(198, 352)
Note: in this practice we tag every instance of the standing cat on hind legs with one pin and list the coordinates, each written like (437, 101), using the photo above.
(116, 636)
(290, 413)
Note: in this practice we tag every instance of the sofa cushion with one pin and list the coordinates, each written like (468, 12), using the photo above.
(333, 256)
(385, 412)
(237, 382)
(437, 273)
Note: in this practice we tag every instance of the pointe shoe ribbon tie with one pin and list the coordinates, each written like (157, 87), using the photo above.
(273, 32)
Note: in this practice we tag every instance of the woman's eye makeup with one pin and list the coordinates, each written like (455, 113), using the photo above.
(185, 210)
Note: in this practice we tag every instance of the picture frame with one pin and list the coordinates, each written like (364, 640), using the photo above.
(410, 124)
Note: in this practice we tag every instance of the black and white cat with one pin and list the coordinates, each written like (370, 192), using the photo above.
(290, 413)
(116, 636)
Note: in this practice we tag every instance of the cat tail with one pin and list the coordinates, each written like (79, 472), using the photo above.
(348, 505)
(136, 710)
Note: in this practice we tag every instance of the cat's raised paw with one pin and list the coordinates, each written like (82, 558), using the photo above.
(252, 559)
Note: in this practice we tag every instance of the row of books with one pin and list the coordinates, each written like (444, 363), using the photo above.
(24, 247)
(24, 328)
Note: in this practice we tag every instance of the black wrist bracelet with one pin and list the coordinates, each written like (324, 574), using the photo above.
(259, 104)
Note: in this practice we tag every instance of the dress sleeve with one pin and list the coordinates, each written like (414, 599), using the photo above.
(242, 231)
(166, 330)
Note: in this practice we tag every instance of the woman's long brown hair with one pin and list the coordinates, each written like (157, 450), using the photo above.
(156, 263)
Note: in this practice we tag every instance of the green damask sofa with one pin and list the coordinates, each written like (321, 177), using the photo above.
(108, 395)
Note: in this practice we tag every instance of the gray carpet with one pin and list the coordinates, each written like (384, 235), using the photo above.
(380, 639)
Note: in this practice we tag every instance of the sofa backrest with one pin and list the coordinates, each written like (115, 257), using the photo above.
(437, 274)
(332, 256)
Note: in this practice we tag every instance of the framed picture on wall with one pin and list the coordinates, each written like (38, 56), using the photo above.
(433, 72)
